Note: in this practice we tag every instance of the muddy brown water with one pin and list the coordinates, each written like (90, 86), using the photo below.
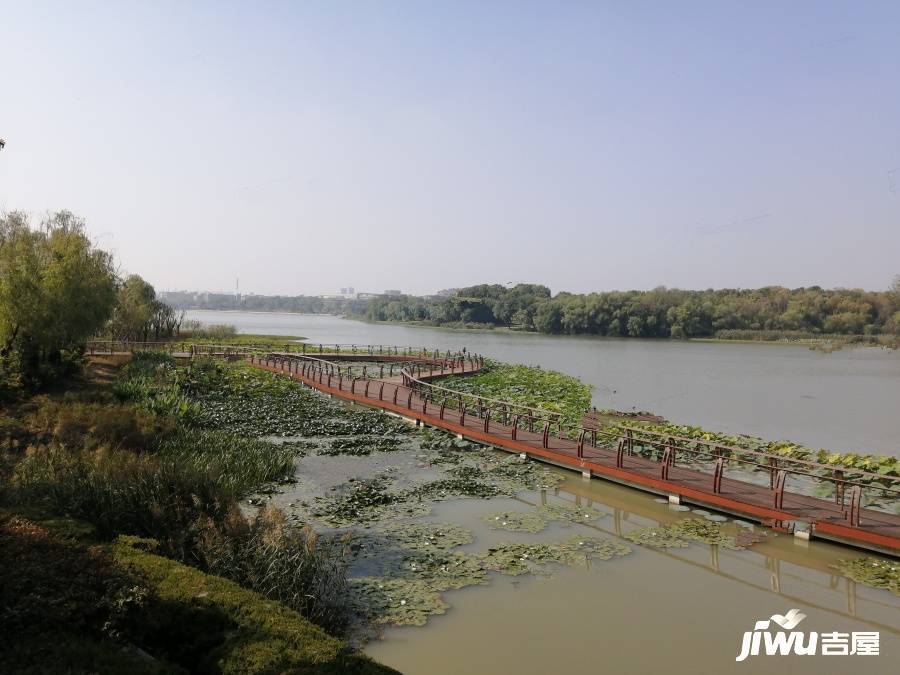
(678, 610)
(653, 611)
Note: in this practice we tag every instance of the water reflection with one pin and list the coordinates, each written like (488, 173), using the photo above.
(807, 577)
(680, 610)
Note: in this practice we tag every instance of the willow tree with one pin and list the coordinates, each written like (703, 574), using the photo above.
(56, 290)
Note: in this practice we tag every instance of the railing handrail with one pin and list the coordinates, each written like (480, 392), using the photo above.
(628, 434)
(302, 346)
(506, 404)
(664, 438)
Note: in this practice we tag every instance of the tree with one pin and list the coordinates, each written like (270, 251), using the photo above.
(56, 290)
(135, 308)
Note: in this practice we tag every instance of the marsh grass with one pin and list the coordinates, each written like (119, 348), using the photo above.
(288, 564)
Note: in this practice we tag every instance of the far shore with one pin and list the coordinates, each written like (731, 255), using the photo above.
(850, 341)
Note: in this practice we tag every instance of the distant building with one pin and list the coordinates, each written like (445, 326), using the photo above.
(348, 291)
(393, 292)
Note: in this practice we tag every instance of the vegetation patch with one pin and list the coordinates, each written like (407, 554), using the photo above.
(530, 386)
(361, 445)
(535, 521)
(683, 532)
(253, 402)
(517, 558)
(516, 521)
(872, 571)
(410, 565)
(267, 636)
(365, 501)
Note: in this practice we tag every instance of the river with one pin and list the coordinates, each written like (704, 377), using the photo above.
(843, 401)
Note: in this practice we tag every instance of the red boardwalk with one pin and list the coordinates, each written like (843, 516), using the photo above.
(405, 391)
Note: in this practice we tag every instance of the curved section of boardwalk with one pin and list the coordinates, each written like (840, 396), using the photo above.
(402, 394)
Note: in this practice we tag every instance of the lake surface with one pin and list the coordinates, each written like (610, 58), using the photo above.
(847, 400)
(680, 611)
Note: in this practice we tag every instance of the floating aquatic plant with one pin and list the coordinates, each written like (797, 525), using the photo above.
(535, 521)
(681, 533)
(361, 445)
(516, 521)
(517, 558)
(872, 571)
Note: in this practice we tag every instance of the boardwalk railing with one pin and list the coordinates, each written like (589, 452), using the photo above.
(413, 390)
(404, 379)
(516, 415)
(848, 485)
(130, 346)
(189, 347)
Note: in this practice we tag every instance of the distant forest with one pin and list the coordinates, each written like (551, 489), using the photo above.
(662, 312)
(772, 312)
(304, 304)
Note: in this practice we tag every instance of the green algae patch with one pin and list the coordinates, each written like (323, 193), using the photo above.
(682, 533)
(516, 558)
(409, 565)
(366, 501)
(535, 521)
(360, 446)
(872, 571)
(515, 521)
(570, 514)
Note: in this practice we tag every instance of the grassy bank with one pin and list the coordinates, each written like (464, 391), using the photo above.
(161, 454)
(76, 602)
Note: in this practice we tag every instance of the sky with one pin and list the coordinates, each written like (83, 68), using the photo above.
(306, 146)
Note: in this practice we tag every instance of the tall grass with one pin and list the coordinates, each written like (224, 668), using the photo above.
(140, 468)
(151, 381)
(156, 495)
(287, 564)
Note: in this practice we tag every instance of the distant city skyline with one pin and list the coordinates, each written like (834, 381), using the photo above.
(587, 146)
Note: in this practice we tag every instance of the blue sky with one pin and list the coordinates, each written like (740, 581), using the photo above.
(307, 146)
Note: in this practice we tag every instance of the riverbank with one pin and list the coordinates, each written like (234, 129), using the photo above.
(121, 492)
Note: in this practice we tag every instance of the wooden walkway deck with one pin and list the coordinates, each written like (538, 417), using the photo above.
(876, 530)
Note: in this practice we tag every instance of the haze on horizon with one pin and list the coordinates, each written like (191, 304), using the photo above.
(309, 146)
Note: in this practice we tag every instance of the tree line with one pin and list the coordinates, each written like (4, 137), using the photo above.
(659, 313)
(57, 290)
(301, 304)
